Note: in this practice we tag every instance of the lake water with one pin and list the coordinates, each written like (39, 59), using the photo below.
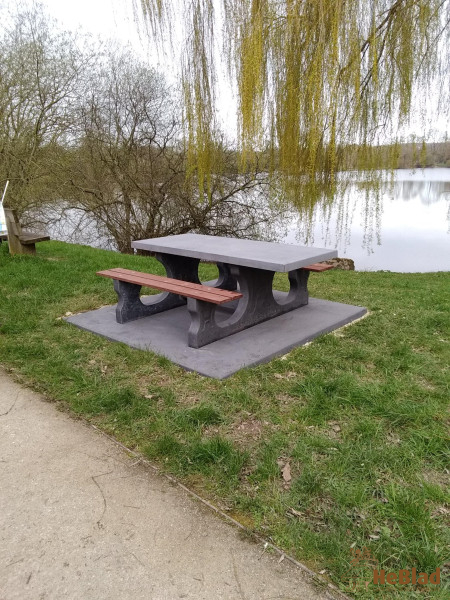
(410, 232)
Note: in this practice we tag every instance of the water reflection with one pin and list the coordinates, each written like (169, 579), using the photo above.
(405, 227)
(74, 226)
(428, 192)
(402, 227)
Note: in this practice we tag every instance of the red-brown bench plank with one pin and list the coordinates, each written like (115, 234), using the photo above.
(176, 286)
(318, 267)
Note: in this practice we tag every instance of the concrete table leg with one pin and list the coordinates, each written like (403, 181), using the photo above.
(225, 281)
(180, 267)
(257, 305)
(130, 307)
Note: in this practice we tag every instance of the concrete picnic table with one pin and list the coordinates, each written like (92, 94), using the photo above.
(246, 265)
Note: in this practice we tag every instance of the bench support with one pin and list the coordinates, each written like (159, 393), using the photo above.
(14, 231)
(225, 281)
(130, 306)
(257, 305)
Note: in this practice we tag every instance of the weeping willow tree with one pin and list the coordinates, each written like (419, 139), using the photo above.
(320, 83)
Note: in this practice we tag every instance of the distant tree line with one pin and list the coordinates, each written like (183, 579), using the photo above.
(411, 155)
(423, 155)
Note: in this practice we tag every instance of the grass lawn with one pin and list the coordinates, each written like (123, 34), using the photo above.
(340, 444)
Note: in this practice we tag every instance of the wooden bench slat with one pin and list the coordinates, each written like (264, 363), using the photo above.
(27, 239)
(318, 267)
(32, 238)
(185, 288)
(176, 286)
(178, 282)
(181, 284)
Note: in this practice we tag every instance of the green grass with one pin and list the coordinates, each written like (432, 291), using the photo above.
(359, 415)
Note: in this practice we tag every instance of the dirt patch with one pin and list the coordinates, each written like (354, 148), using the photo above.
(442, 512)
(248, 429)
(426, 385)
(440, 478)
(393, 438)
(333, 431)
(313, 516)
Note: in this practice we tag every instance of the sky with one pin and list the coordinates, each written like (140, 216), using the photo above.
(112, 18)
(103, 18)
(115, 19)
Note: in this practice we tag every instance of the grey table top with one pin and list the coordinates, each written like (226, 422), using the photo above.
(247, 253)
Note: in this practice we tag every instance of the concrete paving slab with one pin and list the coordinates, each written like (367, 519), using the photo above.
(81, 519)
(166, 334)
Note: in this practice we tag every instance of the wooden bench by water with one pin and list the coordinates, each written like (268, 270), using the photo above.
(19, 241)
